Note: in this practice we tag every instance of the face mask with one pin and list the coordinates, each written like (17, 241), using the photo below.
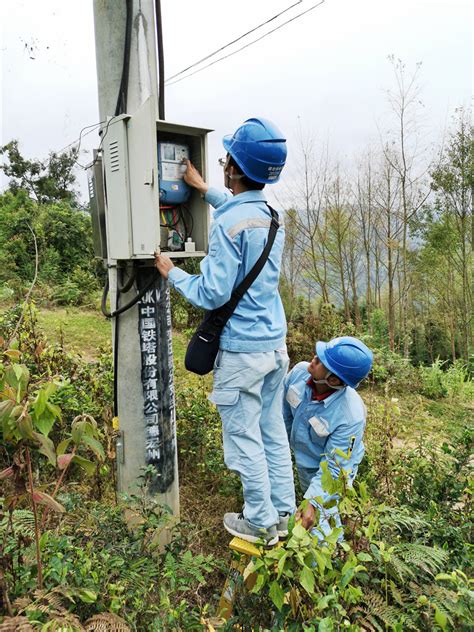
(336, 387)
(228, 178)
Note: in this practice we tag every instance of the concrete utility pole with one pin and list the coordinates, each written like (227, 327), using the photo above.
(142, 334)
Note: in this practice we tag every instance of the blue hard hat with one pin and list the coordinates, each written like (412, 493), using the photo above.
(259, 148)
(347, 357)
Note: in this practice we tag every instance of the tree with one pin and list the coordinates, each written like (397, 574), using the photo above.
(291, 264)
(63, 233)
(363, 210)
(45, 182)
(404, 156)
(308, 198)
(453, 182)
(387, 230)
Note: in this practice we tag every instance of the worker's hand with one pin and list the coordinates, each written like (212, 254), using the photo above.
(307, 516)
(194, 178)
(163, 265)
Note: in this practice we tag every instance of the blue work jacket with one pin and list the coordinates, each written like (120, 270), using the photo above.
(237, 238)
(317, 428)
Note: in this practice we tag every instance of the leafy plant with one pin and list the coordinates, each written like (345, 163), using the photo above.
(27, 417)
(374, 579)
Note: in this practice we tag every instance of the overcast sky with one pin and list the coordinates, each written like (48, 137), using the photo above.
(327, 71)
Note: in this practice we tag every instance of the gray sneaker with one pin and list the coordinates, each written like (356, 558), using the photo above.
(282, 526)
(239, 526)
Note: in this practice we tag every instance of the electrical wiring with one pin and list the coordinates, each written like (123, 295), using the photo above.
(233, 41)
(183, 210)
(161, 60)
(185, 226)
(81, 135)
(124, 308)
(128, 284)
(121, 105)
(315, 6)
(176, 225)
(189, 231)
(100, 145)
(175, 221)
(122, 91)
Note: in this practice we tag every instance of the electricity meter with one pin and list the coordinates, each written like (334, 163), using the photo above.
(171, 168)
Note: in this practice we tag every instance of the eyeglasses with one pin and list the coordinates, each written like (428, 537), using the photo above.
(222, 161)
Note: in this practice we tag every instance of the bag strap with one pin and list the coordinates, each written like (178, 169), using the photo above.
(223, 313)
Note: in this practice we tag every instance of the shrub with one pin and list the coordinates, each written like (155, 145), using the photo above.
(390, 367)
(455, 381)
(312, 324)
(432, 380)
(78, 289)
(88, 572)
(381, 577)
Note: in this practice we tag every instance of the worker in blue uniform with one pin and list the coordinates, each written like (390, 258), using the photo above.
(252, 361)
(324, 416)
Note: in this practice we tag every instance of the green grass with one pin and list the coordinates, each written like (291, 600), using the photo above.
(85, 331)
(79, 330)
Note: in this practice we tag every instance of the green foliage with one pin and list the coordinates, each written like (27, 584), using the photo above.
(64, 241)
(455, 381)
(312, 323)
(379, 578)
(432, 382)
(436, 380)
(28, 414)
(184, 315)
(394, 370)
(407, 521)
(85, 387)
(126, 574)
(199, 439)
(378, 327)
(77, 289)
(46, 182)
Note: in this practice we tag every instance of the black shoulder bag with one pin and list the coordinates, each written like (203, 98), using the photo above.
(204, 345)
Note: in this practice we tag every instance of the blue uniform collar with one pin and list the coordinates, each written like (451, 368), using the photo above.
(328, 400)
(241, 198)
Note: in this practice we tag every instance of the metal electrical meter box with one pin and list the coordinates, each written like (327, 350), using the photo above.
(173, 188)
(149, 206)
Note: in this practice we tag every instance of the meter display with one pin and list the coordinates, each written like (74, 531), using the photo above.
(173, 189)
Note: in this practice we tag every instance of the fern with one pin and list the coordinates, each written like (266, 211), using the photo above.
(46, 602)
(106, 622)
(139, 574)
(403, 521)
(399, 569)
(397, 595)
(367, 626)
(445, 599)
(16, 624)
(66, 622)
(375, 609)
(409, 559)
(21, 520)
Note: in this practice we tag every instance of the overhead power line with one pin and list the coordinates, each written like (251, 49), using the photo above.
(315, 6)
(233, 41)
